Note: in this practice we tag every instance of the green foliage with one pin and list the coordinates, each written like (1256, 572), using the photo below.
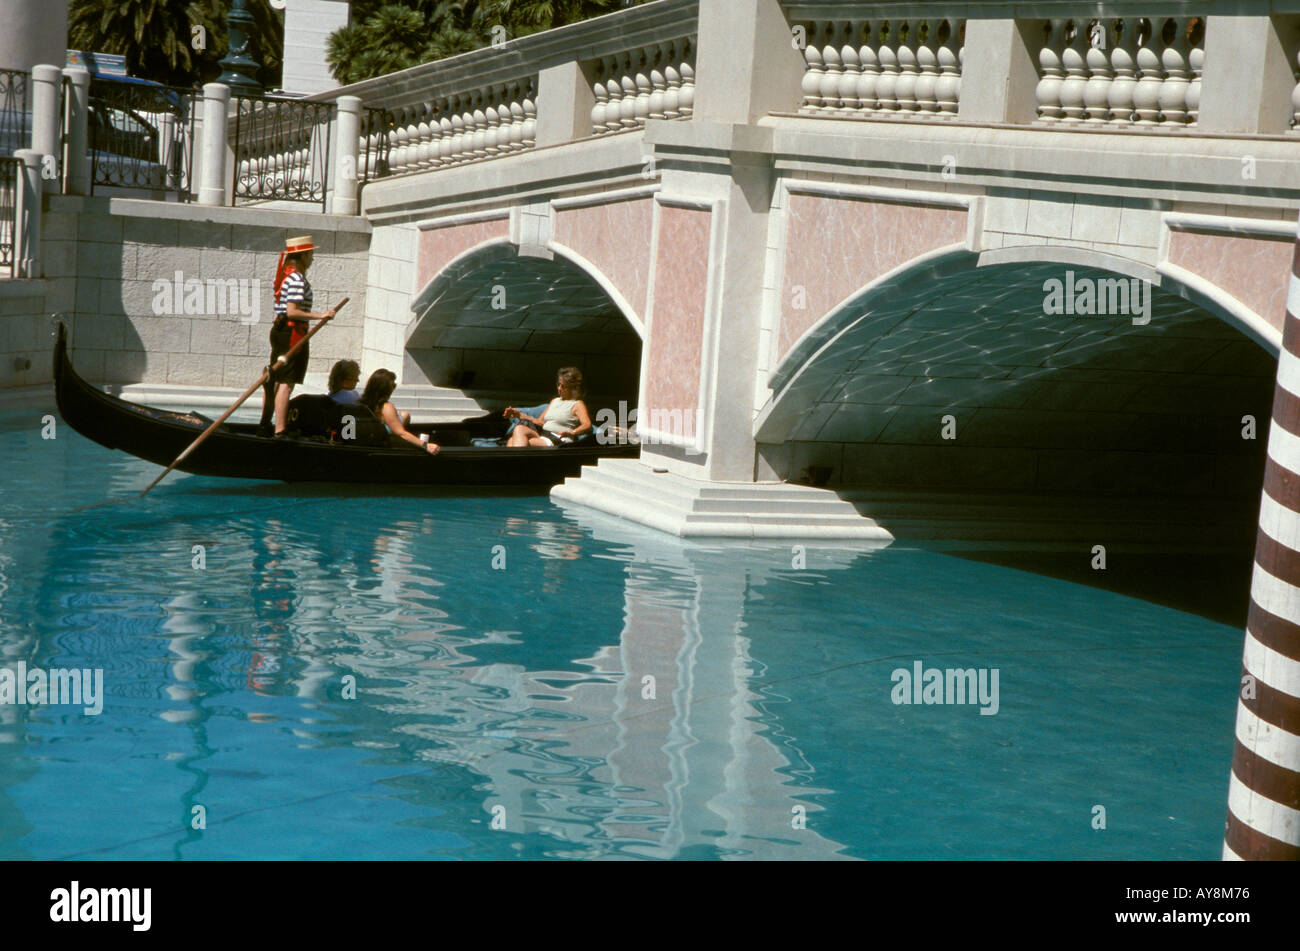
(157, 36)
(389, 35)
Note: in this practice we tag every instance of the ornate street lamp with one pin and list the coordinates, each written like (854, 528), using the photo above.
(240, 69)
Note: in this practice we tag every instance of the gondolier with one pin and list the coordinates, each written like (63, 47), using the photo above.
(293, 298)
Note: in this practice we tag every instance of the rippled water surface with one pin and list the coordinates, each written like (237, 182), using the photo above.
(376, 676)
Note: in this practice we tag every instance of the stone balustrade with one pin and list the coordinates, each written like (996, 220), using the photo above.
(656, 81)
(905, 67)
(482, 122)
(1135, 71)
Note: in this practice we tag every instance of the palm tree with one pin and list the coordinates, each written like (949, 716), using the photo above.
(158, 37)
(521, 17)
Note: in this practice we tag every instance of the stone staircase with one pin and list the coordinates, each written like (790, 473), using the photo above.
(680, 506)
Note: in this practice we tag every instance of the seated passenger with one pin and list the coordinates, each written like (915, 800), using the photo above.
(379, 388)
(344, 377)
(565, 419)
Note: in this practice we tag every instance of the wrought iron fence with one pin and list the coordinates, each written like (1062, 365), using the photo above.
(141, 136)
(15, 111)
(9, 171)
(376, 139)
(282, 149)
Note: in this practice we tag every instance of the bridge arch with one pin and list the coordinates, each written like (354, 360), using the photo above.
(1040, 399)
(496, 319)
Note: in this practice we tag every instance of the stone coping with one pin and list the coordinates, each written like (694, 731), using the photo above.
(221, 214)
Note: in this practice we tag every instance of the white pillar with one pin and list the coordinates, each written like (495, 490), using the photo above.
(77, 173)
(212, 187)
(747, 63)
(347, 150)
(27, 235)
(46, 83)
(566, 97)
(999, 73)
(1247, 83)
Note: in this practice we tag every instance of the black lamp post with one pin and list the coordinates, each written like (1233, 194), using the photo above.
(240, 69)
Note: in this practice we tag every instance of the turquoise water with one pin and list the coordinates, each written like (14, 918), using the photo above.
(517, 695)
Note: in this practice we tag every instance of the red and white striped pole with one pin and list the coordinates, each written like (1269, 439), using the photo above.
(1264, 788)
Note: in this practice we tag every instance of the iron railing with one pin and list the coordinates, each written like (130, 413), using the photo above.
(15, 111)
(141, 136)
(9, 184)
(282, 149)
(376, 130)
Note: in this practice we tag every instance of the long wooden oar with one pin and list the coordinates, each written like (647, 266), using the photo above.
(283, 359)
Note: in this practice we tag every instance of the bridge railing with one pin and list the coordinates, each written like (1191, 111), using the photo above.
(1113, 65)
(598, 77)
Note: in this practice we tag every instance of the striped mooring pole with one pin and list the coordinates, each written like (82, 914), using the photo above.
(1264, 787)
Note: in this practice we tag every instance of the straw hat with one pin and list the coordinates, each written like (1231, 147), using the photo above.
(299, 244)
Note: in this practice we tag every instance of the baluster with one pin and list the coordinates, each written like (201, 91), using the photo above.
(613, 108)
(400, 135)
(1076, 72)
(1123, 60)
(1196, 62)
(948, 86)
(424, 155)
(908, 73)
(505, 121)
(478, 127)
(516, 110)
(1096, 94)
(1048, 91)
(447, 130)
(530, 115)
(458, 130)
(830, 88)
(659, 85)
(687, 101)
(870, 75)
(928, 62)
(602, 99)
(491, 122)
(627, 106)
(814, 71)
(641, 108)
(887, 84)
(1146, 95)
(851, 68)
(673, 77)
(1173, 91)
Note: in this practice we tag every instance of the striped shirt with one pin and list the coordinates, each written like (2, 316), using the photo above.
(296, 289)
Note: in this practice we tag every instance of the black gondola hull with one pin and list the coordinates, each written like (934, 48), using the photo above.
(236, 451)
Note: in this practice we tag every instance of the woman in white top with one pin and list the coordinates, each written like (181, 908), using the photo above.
(565, 419)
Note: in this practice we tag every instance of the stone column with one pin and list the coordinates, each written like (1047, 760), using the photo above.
(212, 186)
(999, 73)
(46, 88)
(747, 64)
(347, 151)
(566, 98)
(77, 174)
(1264, 785)
(27, 236)
(1247, 82)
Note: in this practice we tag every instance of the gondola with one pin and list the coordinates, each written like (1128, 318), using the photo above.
(236, 450)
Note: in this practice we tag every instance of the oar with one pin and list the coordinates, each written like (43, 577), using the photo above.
(247, 393)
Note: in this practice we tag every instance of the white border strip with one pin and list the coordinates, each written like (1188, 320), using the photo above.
(1263, 814)
(1288, 372)
(1266, 740)
(1284, 447)
(1278, 522)
(1221, 224)
(468, 218)
(1265, 664)
(894, 196)
(692, 202)
(605, 198)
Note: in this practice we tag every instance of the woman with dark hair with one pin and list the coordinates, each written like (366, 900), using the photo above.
(564, 420)
(378, 389)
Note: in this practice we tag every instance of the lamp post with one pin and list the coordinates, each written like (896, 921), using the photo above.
(240, 69)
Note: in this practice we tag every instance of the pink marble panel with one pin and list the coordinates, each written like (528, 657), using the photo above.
(1256, 271)
(615, 237)
(836, 245)
(438, 246)
(677, 325)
